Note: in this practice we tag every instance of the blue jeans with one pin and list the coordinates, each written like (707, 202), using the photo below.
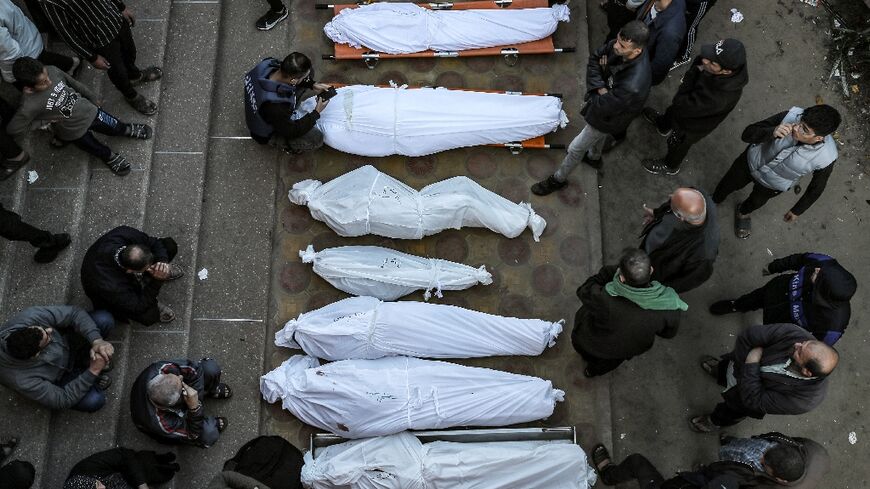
(104, 123)
(95, 398)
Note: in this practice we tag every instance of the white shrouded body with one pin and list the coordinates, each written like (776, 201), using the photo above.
(365, 398)
(390, 274)
(371, 121)
(365, 327)
(367, 201)
(398, 28)
(401, 461)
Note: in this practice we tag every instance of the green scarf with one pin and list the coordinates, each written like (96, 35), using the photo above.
(656, 297)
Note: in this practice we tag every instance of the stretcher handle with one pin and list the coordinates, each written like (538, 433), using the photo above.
(555, 146)
(565, 50)
(323, 6)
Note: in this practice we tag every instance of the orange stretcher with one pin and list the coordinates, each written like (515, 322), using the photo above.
(515, 147)
(510, 53)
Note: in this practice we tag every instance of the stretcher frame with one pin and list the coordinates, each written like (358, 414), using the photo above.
(509, 53)
(515, 147)
(562, 434)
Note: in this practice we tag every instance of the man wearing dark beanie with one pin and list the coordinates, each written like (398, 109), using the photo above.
(710, 90)
(815, 297)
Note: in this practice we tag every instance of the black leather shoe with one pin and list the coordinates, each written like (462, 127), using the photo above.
(548, 186)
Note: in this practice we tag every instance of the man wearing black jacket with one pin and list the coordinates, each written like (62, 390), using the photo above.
(138, 468)
(666, 20)
(773, 369)
(617, 86)
(123, 271)
(710, 90)
(623, 312)
(815, 298)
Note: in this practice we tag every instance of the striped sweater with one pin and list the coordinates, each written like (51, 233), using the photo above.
(85, 25)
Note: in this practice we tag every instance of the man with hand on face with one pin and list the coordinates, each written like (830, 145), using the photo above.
(782, 149)
(273, 90)
(617, 83)
(123, 272)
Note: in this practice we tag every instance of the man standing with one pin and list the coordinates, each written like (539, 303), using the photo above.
(773, 369)
(165, 401)
(273, 89)
(666, 20)
(623, 311)
(100, 32)
(277, 12)
(617, 84)
(123, 271)
(710, 90)
(47, 245)
(682, 239)
(56, 356)
(782, 149)
(815, 298)
(19, 37)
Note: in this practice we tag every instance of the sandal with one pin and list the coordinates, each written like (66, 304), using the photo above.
(150, 74)
(600, 458)
(710, 364)
(222, 423)
(222, 391)
(742, 224)
(7, 447)
(703, 424)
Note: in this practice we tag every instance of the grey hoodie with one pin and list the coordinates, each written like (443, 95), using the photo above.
(35, 378)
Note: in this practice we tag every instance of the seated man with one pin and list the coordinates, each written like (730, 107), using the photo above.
(273, 90)
(762, 462)
(623, 312)
(53, 96)
(121, 467)
(44, 361)
(815, 298)
(165, 402)
(123, 271)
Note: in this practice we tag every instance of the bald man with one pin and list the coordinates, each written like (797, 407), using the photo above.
(773, 369)
(682, 239)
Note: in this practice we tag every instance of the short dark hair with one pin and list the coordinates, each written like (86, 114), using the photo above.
(295, 64)
(136, 257)
(23, 343)
(815, 368)
(27, 70)
(635, 32)
(785, 461)
(822, 119)
(634, 266)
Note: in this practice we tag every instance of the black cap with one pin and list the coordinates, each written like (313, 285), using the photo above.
(727, 53)
(833, 285)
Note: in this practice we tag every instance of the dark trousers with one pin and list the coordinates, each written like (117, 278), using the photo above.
(772, 297)
(121, 55)
(61, 61)
(595, 366)
(726, 413)
(679, 144)
(211, 375)
(104, 123)
(737, 177)
(275, 5)
(95, 398)
(14, 229)
(37, 15)
(636, 467)
(8, 147)
(695, 11)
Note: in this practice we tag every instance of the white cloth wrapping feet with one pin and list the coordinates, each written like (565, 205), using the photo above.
(367, 201)
(371, 121)
(398, 28)
(401, 461)
(365, 327)
(389, 274)
(365, 398)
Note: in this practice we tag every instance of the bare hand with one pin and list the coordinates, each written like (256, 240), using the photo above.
(782, 130)
(754, 355)
(103, 349)
(790, 217)
(321, 104)
(159, 270)
(191, 397)
(602, 91)
(101, 64)
(98, 363)
(648, 215)
(321, 87)
(129, 16)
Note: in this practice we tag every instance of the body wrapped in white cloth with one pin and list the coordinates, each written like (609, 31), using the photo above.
(390, 274)
(365, 398)
(401, 461)
(372, 121)
(367, 201)
(398, 28)
(365, 327)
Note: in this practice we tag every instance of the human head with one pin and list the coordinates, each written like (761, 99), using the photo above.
(25, 343)
(635, 268)
(833, 284)
(17, 474)
(165, 389)
(689, 206)
(83, 482)
(31, 74)
(816, 122)
(631, 40)
(295, 68)
(135, 257)
(783, 461)
(724, 57)
(814, 358)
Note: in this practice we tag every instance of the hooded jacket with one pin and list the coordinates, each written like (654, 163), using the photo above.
(666, 34)
(704, 100)
(627, 84)
(36, 378)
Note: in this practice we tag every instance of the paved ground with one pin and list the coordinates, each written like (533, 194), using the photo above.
(224, 200)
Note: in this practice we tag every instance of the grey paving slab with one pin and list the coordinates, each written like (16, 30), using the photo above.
(147, 11)
(28, 421)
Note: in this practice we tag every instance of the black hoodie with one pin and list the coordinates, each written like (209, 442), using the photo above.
(704, 100)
